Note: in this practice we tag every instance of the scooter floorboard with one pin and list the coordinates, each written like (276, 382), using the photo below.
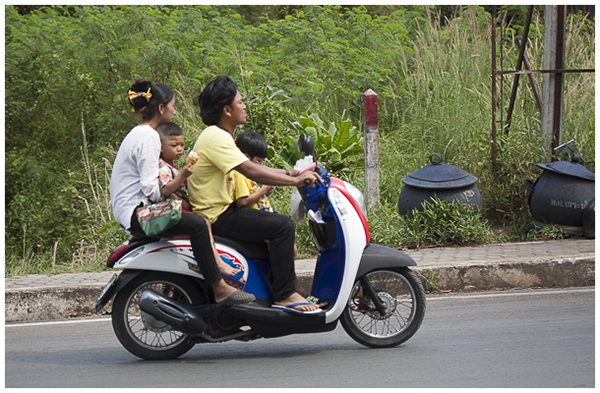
(271, 322)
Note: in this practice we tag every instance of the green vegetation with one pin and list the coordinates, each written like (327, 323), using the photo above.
(301, 69)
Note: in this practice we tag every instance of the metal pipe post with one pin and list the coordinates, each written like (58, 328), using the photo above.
(371, 148)
(553, 83)
(494, 93)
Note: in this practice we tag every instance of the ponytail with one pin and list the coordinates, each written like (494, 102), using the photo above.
(146, 97)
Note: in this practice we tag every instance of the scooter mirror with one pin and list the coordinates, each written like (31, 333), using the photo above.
(306, 145)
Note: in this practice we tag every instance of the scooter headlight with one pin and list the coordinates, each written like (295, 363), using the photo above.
(358, 197)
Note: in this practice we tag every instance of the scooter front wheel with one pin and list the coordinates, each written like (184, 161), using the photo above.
(394, 317)
(140, 333)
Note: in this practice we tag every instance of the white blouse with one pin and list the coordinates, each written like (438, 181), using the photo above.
(134, 177)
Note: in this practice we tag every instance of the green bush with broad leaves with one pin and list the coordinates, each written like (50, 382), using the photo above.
(337, 144)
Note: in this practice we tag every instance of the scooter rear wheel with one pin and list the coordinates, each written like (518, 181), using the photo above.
(403, 298)
(140, 333)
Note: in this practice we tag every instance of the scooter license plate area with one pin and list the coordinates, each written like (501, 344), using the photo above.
(111, 283)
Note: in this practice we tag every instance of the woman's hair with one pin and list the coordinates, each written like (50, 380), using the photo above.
(215, 96)
(146, 97)
(252, 144)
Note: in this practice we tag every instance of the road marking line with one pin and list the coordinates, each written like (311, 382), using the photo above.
(61, 322)
(523, 293)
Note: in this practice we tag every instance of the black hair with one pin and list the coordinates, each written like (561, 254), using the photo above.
(161, 94)
(168, 129)
(252, 144)
(215, 96)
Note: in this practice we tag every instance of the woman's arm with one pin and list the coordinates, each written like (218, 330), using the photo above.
(147, 161)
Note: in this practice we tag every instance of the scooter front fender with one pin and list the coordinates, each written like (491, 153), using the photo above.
(376, 257)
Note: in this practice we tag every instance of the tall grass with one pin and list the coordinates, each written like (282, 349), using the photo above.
(447, 109)
(98, 232)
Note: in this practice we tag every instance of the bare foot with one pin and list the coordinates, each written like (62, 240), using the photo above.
(226, 269)
(296, 298)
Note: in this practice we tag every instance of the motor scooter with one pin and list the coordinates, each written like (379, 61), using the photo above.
(162, 306)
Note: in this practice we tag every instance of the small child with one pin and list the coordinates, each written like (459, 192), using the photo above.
(247, 192)
(172, 182)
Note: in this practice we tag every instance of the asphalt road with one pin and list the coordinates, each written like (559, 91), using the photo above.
(542, 338)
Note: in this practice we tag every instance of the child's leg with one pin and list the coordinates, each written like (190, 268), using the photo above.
(224, 268)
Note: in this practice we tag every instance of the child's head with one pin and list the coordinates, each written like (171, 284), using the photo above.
(252, 145)
(171, 138)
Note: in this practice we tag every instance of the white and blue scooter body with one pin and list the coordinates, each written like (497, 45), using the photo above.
(341, 233)
(174, 255)
(337, 216)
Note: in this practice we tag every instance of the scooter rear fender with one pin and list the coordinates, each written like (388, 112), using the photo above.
(376, 256)
(124, 278)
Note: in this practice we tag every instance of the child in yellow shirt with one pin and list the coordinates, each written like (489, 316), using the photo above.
(248, 193)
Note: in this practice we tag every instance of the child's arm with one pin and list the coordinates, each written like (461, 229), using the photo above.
(255, 197)
(174, 184)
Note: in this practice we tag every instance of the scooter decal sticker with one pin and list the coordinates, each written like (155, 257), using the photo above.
(182, 251)
(232, 261)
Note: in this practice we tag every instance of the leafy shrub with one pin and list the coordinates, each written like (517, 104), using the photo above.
(441, 224)
(268, 115)
(338, 144)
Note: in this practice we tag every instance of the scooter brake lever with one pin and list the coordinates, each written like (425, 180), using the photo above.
(307, 182)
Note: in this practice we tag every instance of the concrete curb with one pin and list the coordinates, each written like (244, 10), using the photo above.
(561, 273)
(31, 304)
(50, 303)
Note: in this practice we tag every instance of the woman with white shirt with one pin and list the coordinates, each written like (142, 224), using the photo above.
(134, 183)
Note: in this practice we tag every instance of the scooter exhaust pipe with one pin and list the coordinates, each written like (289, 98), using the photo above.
(169, 311)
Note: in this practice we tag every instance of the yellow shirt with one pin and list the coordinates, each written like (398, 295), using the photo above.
(244, 187)
(211, 186)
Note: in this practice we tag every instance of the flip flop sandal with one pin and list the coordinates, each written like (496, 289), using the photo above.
(290, 308)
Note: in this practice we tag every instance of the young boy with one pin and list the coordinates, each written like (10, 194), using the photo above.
(172, 182)
(247, 192)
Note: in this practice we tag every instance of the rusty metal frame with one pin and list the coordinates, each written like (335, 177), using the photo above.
(522, 59)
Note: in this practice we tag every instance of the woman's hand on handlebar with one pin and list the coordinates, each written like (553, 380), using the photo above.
(305, 178)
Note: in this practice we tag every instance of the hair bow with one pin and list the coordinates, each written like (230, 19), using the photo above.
(134, 94)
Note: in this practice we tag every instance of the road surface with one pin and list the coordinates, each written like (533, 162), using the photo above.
(526, 338)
